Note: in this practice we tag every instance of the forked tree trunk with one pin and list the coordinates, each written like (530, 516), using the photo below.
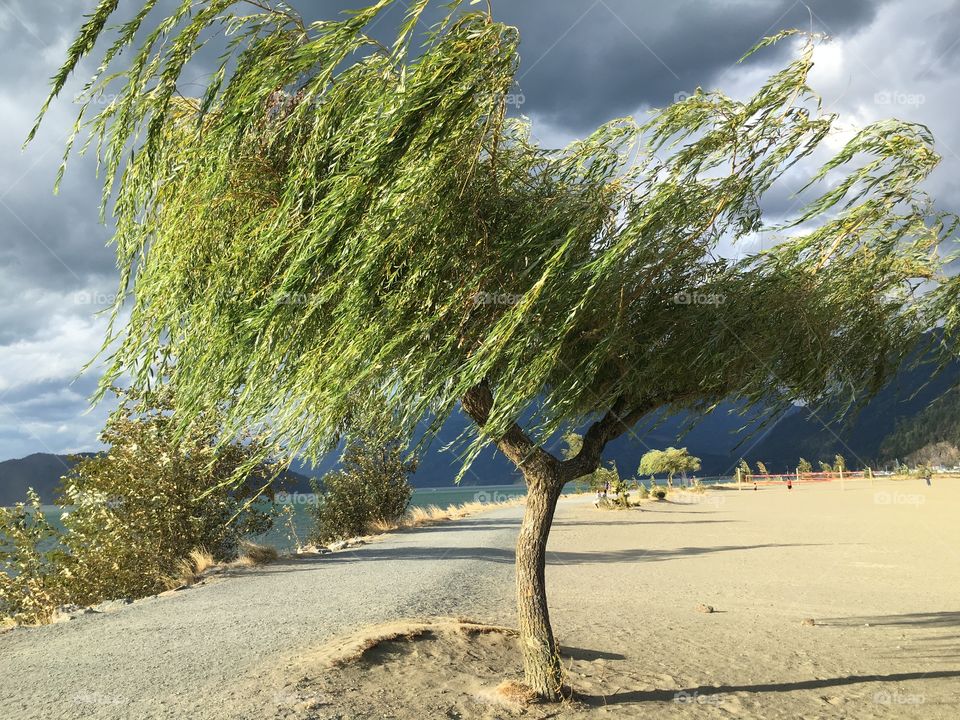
(541, 659)
(545, 476)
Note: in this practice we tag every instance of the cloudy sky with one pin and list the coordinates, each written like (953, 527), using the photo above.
(583, 62)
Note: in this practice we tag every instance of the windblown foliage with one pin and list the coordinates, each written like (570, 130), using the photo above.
(335, 222)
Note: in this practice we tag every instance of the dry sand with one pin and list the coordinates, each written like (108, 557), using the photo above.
(874, 565)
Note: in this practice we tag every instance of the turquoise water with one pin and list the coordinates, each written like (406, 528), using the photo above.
(285, 537)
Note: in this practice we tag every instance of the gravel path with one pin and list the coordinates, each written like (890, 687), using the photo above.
(227, 649)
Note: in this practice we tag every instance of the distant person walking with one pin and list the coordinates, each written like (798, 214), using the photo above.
(789, 484)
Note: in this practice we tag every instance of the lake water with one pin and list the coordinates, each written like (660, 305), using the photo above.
(283, 537)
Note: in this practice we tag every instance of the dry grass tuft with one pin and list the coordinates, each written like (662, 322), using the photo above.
(252, 554)
(379, 527)
(431, 514)
(418, 516)
(469, 627)
(191, 569)
(354, 647)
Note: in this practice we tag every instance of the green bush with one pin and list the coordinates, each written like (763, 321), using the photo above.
(371, 487)
(133, 513)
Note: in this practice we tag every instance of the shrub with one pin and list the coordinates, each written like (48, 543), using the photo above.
(140, 509)
(135, 513)
(370, 488)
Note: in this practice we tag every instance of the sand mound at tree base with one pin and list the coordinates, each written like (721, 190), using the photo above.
(438, 667)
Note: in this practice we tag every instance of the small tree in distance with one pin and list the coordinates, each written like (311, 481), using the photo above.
(670, 461)
(839, 463)
(318, 225)
(804, 466)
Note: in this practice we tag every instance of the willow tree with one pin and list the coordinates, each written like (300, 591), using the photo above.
(336, 223)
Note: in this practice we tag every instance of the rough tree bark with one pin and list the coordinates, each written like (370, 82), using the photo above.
(545, 476)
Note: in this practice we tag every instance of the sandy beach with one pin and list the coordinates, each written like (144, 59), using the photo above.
(828, 602)
(873, 565)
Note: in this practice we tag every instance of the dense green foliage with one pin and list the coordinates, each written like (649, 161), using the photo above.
(371, 487)
(335, 222)
(133, 513)
(938, 454)
(138, 509)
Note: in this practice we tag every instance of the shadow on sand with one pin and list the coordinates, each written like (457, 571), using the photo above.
(640, 696)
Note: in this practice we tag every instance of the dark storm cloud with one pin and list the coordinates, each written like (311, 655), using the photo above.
(585, 63)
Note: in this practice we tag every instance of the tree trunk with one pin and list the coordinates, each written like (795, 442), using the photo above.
(545, 476)
(541, 659)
